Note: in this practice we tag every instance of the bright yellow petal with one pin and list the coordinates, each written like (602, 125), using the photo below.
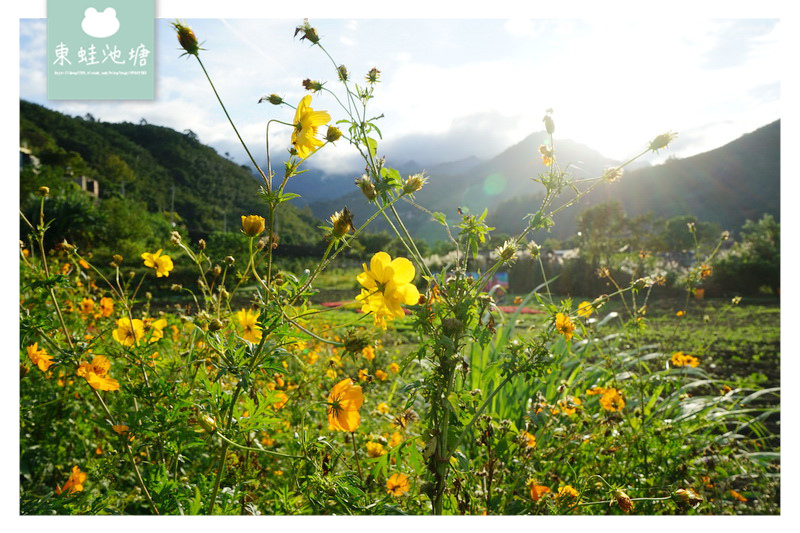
(379, 262)
(403, 270)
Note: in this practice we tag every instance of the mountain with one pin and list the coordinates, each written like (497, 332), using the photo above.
(165, 169)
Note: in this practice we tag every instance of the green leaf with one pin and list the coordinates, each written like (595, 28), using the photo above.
(373, 146)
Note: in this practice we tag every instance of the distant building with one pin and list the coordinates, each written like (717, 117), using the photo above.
(87, 184)
(27, 159)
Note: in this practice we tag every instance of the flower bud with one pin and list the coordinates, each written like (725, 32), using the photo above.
(612, 174)
(207, 424)
(175, 237)
(367, 187)
(313, 86)
(333, 134)
(341, 70)
(217, 271)
(342, 222)
(252, 225)
(687, 496)
(44, 192)
(549, 125)
(623, 500)
(662, 141)
(534, 249)
(414, 183)
(201, 244)
(229, 260)
(215, 325)
(273, 99)
(187, 38)
(508, 251)
(175, 287)
(373, 75)
(307, 31)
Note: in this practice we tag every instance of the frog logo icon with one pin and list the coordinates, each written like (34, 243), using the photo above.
(100, 24)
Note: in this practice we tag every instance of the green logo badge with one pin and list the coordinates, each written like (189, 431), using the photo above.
(100, 49)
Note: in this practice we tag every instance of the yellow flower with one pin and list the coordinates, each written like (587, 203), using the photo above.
(39, 357)
(154, 328)
(397, 485)
(161, 263)
(537, 490)
(369, 353)
(96, 374)
(128, 332)
(252, 225)
(682, 359)
(569, 405)
(106, 306)
(611, 400)
(74, 483)
(530, 439)
(123, 430)
(564, 325)
(394, 368)
(585, 309)
(386, 287)
(282, 399)
(705, 271)
(396, 439)
(381, 375)
(343, 404)
(680, 313)
(83, 263)
(306, 123)
(595, 390)
(363, 374)
(375, 449)
(567, 491)
(383, 408)
(248, 320)
(688, 496)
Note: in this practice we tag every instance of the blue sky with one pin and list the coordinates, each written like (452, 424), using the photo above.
(452, 88)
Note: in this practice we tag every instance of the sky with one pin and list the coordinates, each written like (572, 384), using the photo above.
(455, 88)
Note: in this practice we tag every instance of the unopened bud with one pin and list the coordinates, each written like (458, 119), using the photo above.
(341, 70)
(662, 141)
(148, 295)
(687, 496)
(311, 85)
(187, 38)
(215, 325)
(176, 287)
(201, 244)
(229, 260)
(273, 99)
(207, 424)
(217, 271)
(342, 222)
(623, 500)
(373, 75)
(44, 192)
(175, 237)
(534, 249)
(252, 225)
(333, 134)
(117, 259)
(414, 183)
(367, 187)
(308, 32)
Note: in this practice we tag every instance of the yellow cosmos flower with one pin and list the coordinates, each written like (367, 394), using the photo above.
(569, 405)
(96, 374)
(585, 309)
(363, 374)
(567, 491)
(537, 491)
(74, 483)
(530, 439)
(611, 400)
(383, 408)
(282, 399)
(106, 306)
(595, 390)
(252, 225)
(394, 368)
(248, 320)
(39, 357)
(375, 449)
(396, 439)
(306, 123)
(381, 375)
(343, 404)
(386, 287)
(123, 431)
(154, 329)
(564, 325)
(128, 332)
(682, 359)
(397, 485)
(161, 263)
(369, 353)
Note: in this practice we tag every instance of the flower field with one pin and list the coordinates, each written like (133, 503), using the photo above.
(423, 393)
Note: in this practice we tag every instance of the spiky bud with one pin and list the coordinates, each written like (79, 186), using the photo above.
(308, 32)
(373, 76)
(341, 222)
(662, 141)
(414, 183)
(186, 38)
(367, 187)
(341, 70)
(273, 99)
(333, 134)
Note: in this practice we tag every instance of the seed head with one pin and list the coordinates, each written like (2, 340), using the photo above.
(414, 183)
(313, 86)
(307, 31)
(373, 75)
(612, 174)
(175, 237)
(273, 99)
(367, 187)
(341, 70)
(333, 134)
(508, 251)
(342, 223)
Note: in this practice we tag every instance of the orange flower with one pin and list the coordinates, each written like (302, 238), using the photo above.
(394, 368)
(96, 374)
(87, 306)
(564, 325)
(537, 490)
(381, 375)
(343, 404)
(737, 496)
(106, 306)
(530, 439)
(567, 491)
(611, 400)
(368, 353)
(74, 483)
(39, 357)
(397, 485)
(682, 359)
(375, 449)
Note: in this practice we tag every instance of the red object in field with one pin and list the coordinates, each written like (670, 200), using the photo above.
(524, 310)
